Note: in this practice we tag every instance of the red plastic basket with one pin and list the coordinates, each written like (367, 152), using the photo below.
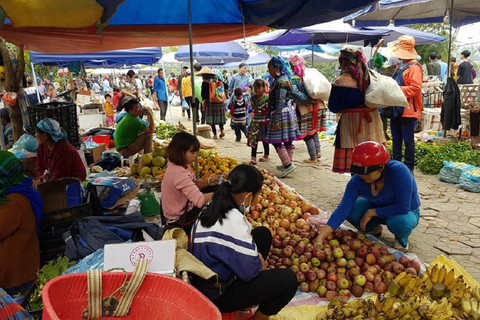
(100, 139)
(160, 297)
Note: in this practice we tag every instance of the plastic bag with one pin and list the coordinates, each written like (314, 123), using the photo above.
(452, 171)
(176, 101)
(89, 143)
(470, 180)
(384, 92)
(185, 105)
(10, 98)
(91, 262)
(317, 86)
(26, 143)
(318, 220)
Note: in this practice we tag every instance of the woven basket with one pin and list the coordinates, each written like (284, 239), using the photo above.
(160, 297)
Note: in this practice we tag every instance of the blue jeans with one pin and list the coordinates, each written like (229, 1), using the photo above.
(401, 225)
(239, 128)
(403, 131)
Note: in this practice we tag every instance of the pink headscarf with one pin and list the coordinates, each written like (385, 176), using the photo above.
(297, 64)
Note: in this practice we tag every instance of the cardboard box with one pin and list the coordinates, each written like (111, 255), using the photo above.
(96, 152)
(160, 255)
(61, 194)
(110, 189)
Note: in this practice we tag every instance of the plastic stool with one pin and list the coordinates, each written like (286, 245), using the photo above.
(131, 160)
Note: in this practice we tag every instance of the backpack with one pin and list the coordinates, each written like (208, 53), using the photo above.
(89, 234)
(395, 112)
(216, 91)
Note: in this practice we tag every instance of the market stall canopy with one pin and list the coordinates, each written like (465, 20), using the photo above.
(405, 12)
(330, 32)
(213, 53)
(395, 32)
(58, 26)
(318, 57)
(256, 59)
(322, 48)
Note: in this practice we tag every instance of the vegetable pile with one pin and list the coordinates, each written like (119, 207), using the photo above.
(167, 131)
(429, 157)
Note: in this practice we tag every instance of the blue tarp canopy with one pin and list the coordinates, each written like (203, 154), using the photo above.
(256, 59)
(407, 12)
(331, 32)
(60, 26)
(213, 53)
(148, 55)
(395, 32)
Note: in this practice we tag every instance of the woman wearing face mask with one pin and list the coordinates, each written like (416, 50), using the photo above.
(224, 241)
(388, 195)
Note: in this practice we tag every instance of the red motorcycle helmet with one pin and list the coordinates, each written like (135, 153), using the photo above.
(369, 156)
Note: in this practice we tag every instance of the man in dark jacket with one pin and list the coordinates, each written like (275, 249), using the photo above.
(465, 69)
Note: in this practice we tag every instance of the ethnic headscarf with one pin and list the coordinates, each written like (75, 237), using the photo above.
(297, 64)
(356, 65)
(283, 65)
(12, 173)
(52, 127)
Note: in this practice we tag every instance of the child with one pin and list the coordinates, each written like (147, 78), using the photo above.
(182, 195)
(117, 95)
(258, 128)
(108, 107)
(224, 241)
(239, 114)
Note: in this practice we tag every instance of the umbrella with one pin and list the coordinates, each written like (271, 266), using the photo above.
(256, 59)
(330, 32)
(395, 32)
(404, 12)
(318, 57)
(213, 53)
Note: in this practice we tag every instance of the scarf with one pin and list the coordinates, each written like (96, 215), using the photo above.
(356, 66)
(12, 173)
(26, 188)
(52, 127)
(283, 65)
(297, 64)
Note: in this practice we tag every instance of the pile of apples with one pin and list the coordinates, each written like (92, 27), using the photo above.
(279, 207)
(346, 263)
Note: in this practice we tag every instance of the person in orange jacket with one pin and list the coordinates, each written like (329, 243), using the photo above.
(409, 76)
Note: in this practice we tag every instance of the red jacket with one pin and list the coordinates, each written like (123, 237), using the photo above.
(63, 161)
(116, 98)
(413, 77)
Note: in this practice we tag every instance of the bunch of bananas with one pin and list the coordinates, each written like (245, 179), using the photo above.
(471, 306)
(443, 283)
(406, 285)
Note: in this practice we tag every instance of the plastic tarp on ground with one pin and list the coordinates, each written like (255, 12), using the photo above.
(213, 53)
(60, 26)
(148, 55)
(405, 12)
(330, 32)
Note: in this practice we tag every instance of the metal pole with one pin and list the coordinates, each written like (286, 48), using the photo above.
(450, 39)
(192, 76)
(35, 79)
(313, 65)
(166, 88)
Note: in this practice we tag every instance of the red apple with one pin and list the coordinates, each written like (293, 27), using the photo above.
(321, 274)
(320, 254)
(360, 280)
(374, 251)
(332, 277)
(331, 294)
(353, 272)
(388, 267)
(362, 252)
(345, 293)
(368, 287)
(304, 287)
(404, 260)
(286, 261)
(397, 267)
(383, 251)
(302, 259)
(378, 278)
(313, 286)
(361, 237)
(368, 242)
(381, 262)
(411, 270)
(338, 253)
(359, 261)
(324, 265)
(355, 244)
(415, 265)
(331, 285)
(370, 259)
(341, 270)
(308, 255)
(387, 275)
(309, 247)
(287, 251)
(357, 291)
(372, 269)
(300, 276)
(380, 288)
(310, 275)
(349, 255)
(368, 275)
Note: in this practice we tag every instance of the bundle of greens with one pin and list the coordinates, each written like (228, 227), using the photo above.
(167, 131)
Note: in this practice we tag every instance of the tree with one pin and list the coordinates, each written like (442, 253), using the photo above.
(13, 79)
(440, 29)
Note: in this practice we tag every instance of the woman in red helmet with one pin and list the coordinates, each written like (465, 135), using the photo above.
(388, 195)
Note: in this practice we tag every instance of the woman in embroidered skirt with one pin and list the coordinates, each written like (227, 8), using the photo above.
(357, 122)
(283, 128)
(214, 111)
(258, 128)
(310, 113)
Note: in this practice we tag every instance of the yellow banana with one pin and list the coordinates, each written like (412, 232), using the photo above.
(428, 284)
(415, 315)
(402, 279)
(359, 317)
(392, 313)
(449, 277)
(406, 316)
(475, 315)
(432, 308)
(476, 293)
(388, 304)
(434, 274)
(442, 306)
(458, 281)
(466, 306)
(474, 304)
(379, 304)
(441, 274)
(381, 316)
(356, 303)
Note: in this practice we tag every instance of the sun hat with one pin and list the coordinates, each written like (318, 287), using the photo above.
(403, 48)
(205, 70)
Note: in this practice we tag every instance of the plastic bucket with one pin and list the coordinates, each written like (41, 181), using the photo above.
(160, 297)
(100, 139)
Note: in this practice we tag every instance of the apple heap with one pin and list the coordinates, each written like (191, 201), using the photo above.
(347, 263)
(280, 208)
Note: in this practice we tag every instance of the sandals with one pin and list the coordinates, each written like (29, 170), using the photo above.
(310, 161)
(222, 134)
(253, 161)
(264, 159)
(319, 155)
(215, 136)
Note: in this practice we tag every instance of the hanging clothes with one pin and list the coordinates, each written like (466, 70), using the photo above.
(450, 114)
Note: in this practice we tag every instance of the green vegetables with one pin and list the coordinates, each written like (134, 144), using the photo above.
(167, 131)
(52, 269)
(429, 157)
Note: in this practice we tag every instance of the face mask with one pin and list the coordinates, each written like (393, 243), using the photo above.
(243, 208)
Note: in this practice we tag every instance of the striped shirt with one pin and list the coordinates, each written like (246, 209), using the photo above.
(239, 111)
(228, 248)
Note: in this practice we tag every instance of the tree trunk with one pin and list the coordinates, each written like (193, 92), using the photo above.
(13, 78)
